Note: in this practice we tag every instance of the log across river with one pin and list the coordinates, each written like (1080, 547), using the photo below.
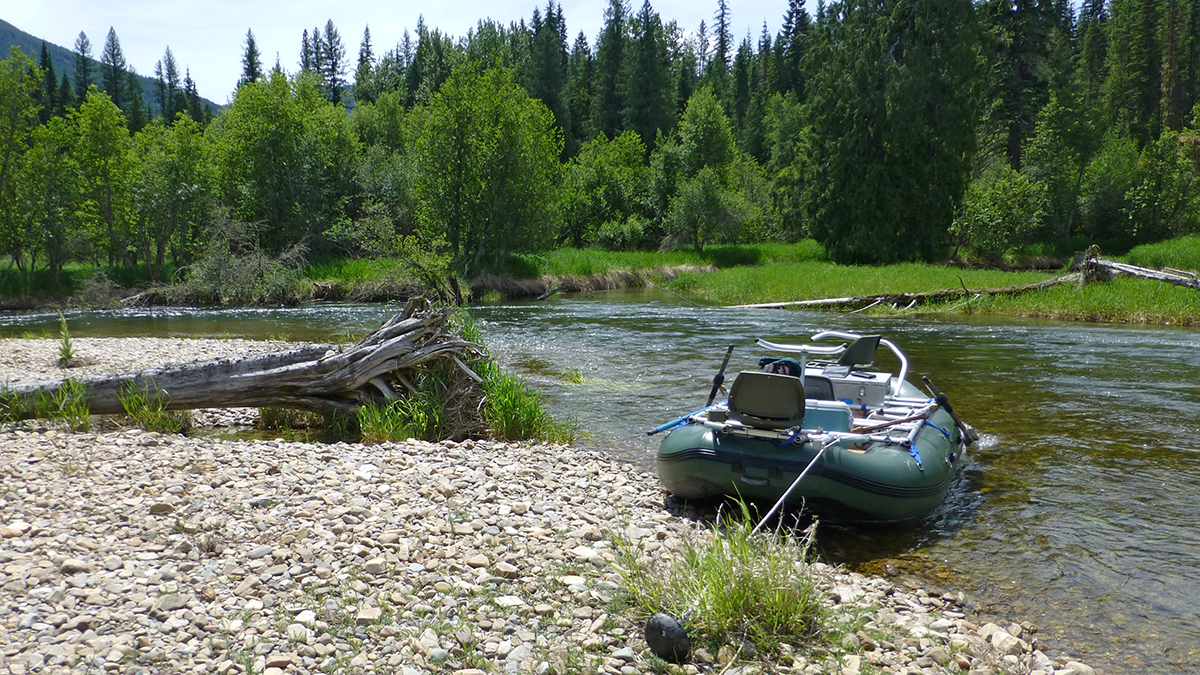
(1077, 510)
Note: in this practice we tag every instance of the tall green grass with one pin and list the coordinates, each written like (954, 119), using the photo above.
(730, 584)
(813, 280)
(1122, 300)
(1182, 253)
(147, 407)
(588, 261)
(67, 404)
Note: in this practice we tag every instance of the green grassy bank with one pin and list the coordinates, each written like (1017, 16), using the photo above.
(721, 275)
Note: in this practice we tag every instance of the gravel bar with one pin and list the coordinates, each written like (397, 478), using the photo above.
(128, 551)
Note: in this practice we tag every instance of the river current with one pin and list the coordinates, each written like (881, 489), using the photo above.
(1078, 510)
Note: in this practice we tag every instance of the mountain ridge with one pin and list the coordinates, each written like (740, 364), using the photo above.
(63, 59)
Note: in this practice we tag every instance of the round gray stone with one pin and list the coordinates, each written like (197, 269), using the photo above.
(667, 639)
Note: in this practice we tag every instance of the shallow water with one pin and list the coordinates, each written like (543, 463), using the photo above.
(1078, 510)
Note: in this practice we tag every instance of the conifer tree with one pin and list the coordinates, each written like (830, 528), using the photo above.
(333, 53)
(580, 71)
(649, 104)
(49, 92)
(112, 62)
(609, 89)
(790, 49)
(251, 61)
(1178, 76)
(66, 97)
(166, 76)
(1133, 93)
(365, 89)
(83, 65)
(548, 63)
(136, 117)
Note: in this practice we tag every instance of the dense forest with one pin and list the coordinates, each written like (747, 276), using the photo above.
(888, 130)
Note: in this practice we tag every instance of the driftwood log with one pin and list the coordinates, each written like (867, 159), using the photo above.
(909, 300)
(324, 379)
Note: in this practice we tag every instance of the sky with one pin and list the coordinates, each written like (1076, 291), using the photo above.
(208, 36)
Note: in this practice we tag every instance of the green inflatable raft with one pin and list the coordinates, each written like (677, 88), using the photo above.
(830, 436)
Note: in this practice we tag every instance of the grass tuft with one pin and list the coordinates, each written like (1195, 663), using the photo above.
(68, 404)
(147, 407)
(730, 584)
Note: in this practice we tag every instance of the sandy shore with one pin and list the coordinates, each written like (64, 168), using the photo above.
(135, 552)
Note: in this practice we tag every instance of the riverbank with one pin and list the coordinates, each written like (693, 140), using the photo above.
(140, 552)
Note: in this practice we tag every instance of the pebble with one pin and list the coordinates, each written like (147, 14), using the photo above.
(128, 551)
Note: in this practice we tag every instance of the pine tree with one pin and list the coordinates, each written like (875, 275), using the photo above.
(1021, 34)
(49, 92)
(716, 72)
(334, 61)
(547, 75)
(790, 49)
(609, 89)
(112, 62)
(1178, 93)
(742, 64)
(191, 97)
(65, 98)
(702, 46)
(580, 71)
(251, 61)
(365, 89)
(135, 119)
(1133, 90)
(1091, 70)
(166, 76)
(83, 65)
(649, 95)
(306, 60)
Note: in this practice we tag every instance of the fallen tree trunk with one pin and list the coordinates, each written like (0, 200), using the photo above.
(324, 379)
(1167, 275)
(909, 300)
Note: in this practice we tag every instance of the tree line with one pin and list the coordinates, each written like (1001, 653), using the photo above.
(889, 130)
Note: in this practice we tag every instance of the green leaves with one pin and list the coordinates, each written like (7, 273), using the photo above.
(486, 166)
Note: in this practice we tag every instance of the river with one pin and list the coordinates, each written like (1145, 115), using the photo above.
(1078, 510)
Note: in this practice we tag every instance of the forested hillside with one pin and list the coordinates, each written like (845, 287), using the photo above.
(888, 130)
(64, 61)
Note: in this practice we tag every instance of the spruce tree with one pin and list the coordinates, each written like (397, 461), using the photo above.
(364, 85)
(135, 119)
(66, 97)
(1020, 38)
(649, 94)
(1178, 93)
(1133, 90)
(334, 71)
(49, 92)
(716, 72)
(743, 62)
(790, 49)
(609, 89)
(83, 65)
(251, 61)
(547, 75)
(112, 62)
(580, 70)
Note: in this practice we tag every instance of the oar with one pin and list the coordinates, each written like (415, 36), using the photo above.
(825, 446)
(678, 420)
(967, 431)
(720, 378)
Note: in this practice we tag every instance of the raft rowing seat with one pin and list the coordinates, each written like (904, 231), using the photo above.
(766, 400)
(861, 352)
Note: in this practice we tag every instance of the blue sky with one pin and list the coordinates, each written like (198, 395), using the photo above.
(207, 36)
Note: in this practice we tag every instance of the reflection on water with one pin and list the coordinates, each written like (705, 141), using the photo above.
(1078, 511)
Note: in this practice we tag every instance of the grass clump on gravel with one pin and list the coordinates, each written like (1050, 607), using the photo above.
(147, 407)
(730, 584)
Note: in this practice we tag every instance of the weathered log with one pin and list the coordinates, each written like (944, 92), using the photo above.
(1167, 275)
(325, 379)
(909, 300)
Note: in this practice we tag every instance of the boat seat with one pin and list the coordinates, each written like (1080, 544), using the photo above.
(818, 387)
(767, 401)
(861, 352)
